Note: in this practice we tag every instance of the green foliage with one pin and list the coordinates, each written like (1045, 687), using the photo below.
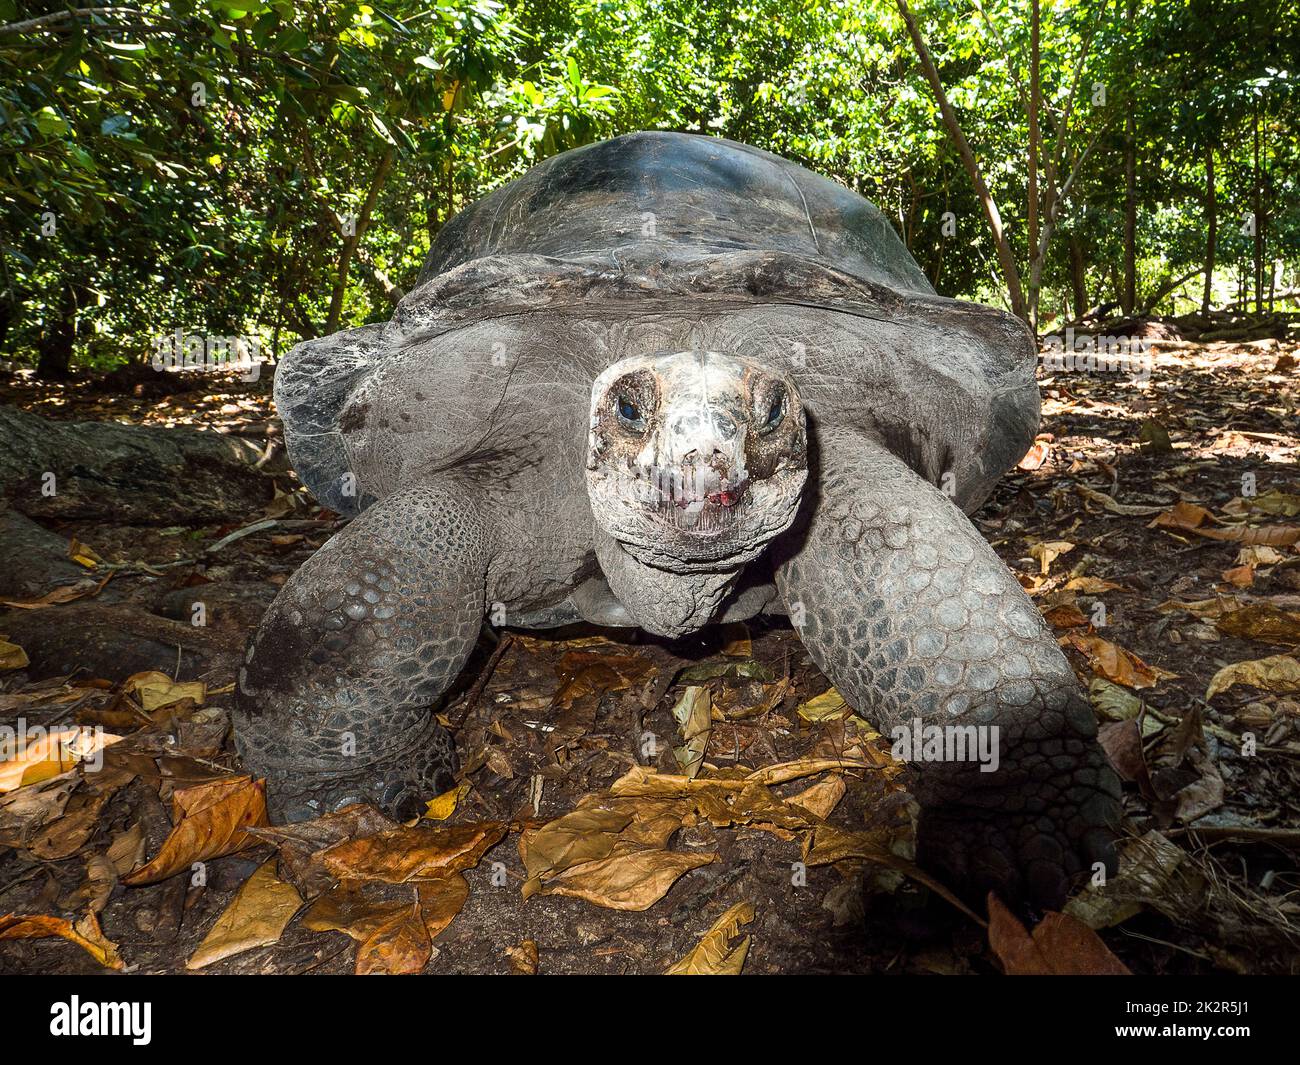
(281, 166)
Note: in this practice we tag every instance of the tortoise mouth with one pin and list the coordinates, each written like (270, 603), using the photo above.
(687, 501)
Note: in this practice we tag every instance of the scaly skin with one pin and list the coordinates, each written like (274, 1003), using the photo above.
(911, 615)
(335, 702)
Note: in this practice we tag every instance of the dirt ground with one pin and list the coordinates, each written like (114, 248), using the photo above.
(1155, 523)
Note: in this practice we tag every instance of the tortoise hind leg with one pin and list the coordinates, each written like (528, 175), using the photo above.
(334, 704)
(913, 617)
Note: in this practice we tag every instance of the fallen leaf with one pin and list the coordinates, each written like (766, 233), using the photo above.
(714, 955)
(443, 806)
(399, 946)
(256, 917)
(51, 754)
(394, 936)
(1261, 621)
(1277, 673)
(63, 594)
(1116, 664)
(694, 715)
(1153, 871)
(635, 880)
(820, 799)
(209, 820)
(156, 690)
(523, 958)
(418, 852)
(12, 656)
(85, 933)
(829, 705)
(1048, 552)
(1060, 946)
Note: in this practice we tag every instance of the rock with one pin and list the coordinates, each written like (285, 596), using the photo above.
(36, 559)
(236, 606)
(112, 643)
(130, 473)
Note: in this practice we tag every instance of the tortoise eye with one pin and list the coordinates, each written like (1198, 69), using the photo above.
(628, 413)
(775, 413)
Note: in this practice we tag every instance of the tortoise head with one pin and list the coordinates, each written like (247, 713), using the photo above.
(696, 456)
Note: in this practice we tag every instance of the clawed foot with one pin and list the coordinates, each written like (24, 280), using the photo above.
(1031, 835)
(400, 786)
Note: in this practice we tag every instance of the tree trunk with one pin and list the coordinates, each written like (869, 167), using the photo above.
(1006, 259)
(58, 337)
(1211, 228)
(1034, 93)
(1078, 278)
(1259, 225)
(1129, 296)
(350, 243)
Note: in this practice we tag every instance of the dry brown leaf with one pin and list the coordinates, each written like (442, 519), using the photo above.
(208, 820)
(1049, 551)
(1116, 664)
(256, 917)
(713, 955)
(635, 880)
(1240, 576)
(63, 594)
(1091, 585)
(1037, 454)
(51, 755)
(155, 690)
(820, 799)
(394, 936)
(1059, 946)
(85, 933)
(591, 673)
(523, 958)
(12, 656)
(582, 835)
(694, 714)
(408, 853)
(399, 946)
(1182, 515)
(1277, 673)
(1262, 621)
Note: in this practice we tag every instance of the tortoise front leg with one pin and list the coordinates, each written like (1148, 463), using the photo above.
(912, 616)
(334, 703)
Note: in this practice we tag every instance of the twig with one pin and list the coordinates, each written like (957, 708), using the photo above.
(476, 692)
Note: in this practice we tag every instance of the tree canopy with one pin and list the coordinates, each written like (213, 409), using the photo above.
(279, 168)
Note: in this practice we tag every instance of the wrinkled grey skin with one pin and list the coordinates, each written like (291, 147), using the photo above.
(664, 381)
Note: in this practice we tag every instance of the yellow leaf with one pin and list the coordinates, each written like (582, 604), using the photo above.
(1278, 673)
(711, 956)
(256, 917)
(444, 805)
(1049, 551)
(829, 705)
(85, 933)
(155, 690)
(632, 881)
(12, 656)
(694, 713)
(820, 799)
(50, 754)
